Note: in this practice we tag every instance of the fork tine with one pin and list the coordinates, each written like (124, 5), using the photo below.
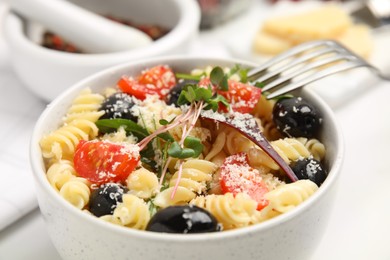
(309, 67)
(260, 70)
(318, 75)
(299, 60)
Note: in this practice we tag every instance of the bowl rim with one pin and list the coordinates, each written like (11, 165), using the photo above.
(188, 23)
(39, 173)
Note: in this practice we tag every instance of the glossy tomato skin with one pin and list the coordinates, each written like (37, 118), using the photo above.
(102, 162)
(237, 176)
(154, 81)
(241, 97)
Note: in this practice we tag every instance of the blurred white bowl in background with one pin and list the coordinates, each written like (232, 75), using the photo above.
(48, 72)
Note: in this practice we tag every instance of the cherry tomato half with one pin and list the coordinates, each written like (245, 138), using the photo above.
(157, 80)
(102, 161)
(237, 176)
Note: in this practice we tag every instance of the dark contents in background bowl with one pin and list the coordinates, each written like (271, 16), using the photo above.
(55, 42)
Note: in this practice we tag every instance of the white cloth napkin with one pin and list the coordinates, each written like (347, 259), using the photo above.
(19, 110)
(17, 196)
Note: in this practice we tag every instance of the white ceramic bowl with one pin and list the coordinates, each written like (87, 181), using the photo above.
(47, 72)
(78, 235)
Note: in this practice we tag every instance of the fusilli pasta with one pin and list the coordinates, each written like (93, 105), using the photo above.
(143, 183)
(61, 143)
(316, 148)
(76, 191)
(85, 106)
(59, 173)
(132, 212)
(289, 149)
(194, 177)
(79, 124)
(231, 211)
(288, 196)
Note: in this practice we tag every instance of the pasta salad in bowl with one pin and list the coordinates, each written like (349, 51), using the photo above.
(183, 157)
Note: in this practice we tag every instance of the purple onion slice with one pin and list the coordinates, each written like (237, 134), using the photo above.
(247, 125)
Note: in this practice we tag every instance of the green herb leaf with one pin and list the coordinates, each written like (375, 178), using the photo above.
(163, 122)
(190, 94)
(182, 100)
(216, 75)
(203, 94)
(214, 102)
(243, 73)
(152, 208)
(176, 151)
(223, 85)
(192, 148)
(166, 137)
(259, 84)
(194, 93)
(111, 125)
(189, 76)
(219, 78)
(195, 144)
(234, 70)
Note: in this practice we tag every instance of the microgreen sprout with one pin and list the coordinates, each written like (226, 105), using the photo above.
(241, 72)
(219, 78)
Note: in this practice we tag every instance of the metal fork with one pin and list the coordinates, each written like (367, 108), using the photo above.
(304, 64)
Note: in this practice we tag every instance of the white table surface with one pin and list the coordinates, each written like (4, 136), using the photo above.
(360, 220)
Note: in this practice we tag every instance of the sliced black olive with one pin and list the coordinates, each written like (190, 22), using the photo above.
(309, 168)
(183, 220)
(104, 200)
(118, 105)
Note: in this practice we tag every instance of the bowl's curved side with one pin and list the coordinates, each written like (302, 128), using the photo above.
(47, 73)
(76, 234)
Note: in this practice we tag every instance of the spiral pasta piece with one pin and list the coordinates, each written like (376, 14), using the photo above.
(195, 175)
(85, 106)
(270, 131)
(217, 146)
(79, 124)
(201, 165)
(181, 196)
(76, 191)
(231, 211)
(289, 149)
(316, 148)
(59, 173)
(111, 219)
(143, 183)
(61, 143)
(286, 197)
(132, 212)
(236, 142)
